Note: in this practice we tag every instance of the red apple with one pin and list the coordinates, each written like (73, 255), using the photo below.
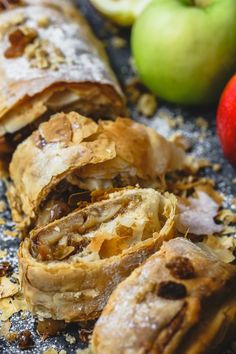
(226, 121)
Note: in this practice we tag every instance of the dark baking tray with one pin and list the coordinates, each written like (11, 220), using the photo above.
(208, 147)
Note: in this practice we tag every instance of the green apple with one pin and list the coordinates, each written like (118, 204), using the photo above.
(185, 50)
(122, 12)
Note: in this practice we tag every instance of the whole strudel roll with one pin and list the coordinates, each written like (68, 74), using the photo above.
(182, 300)
(69, 268)
(50, 62)
(70, 155)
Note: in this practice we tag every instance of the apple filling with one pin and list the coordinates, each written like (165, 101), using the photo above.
(74, 191)
(105, 228)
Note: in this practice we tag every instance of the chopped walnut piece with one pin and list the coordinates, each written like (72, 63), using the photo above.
(57, 58)
(19, 39)
(44, 55)
(70, 339)
(25, 340)
(181, 268)
(18, 19)
(43, 21)
(171, 290)
(41, 56)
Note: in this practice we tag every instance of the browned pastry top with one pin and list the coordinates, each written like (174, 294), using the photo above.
(88, 155)
(179, 301)
(46, 46)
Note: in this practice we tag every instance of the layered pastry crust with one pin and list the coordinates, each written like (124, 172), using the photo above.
(50, 61)
(71, 154)
(181, 300)
(69, 268)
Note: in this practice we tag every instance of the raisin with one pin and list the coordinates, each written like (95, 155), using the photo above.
(59, 210)
(5, 268)
(19, 41)
(171, 290)
(25, 340)
(181, 268)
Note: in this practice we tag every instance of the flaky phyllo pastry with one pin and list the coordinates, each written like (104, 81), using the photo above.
(182, 300)
(50, 61)
(69, 268)
(70, 156)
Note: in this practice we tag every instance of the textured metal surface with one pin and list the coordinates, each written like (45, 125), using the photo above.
(207, 147)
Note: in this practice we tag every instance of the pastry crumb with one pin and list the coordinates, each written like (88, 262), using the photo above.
(85, 350)
(202, 123)
(63, 351)
(50, 350)
(216, 167)
(181, 140)
(11, 337)
(3, 253)
(147, 104)
(2, 206)
(118, 42)
(43, 21)
(10, 233)
(70, 339)
(2, 221)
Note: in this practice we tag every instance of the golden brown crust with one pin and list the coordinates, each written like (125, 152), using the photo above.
(50, 56)
(53, 151)
(143, 148)
(89, 156)
(120, 232)
(181, 300)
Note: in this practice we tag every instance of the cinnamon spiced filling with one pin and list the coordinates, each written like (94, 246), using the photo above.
(100, 230)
